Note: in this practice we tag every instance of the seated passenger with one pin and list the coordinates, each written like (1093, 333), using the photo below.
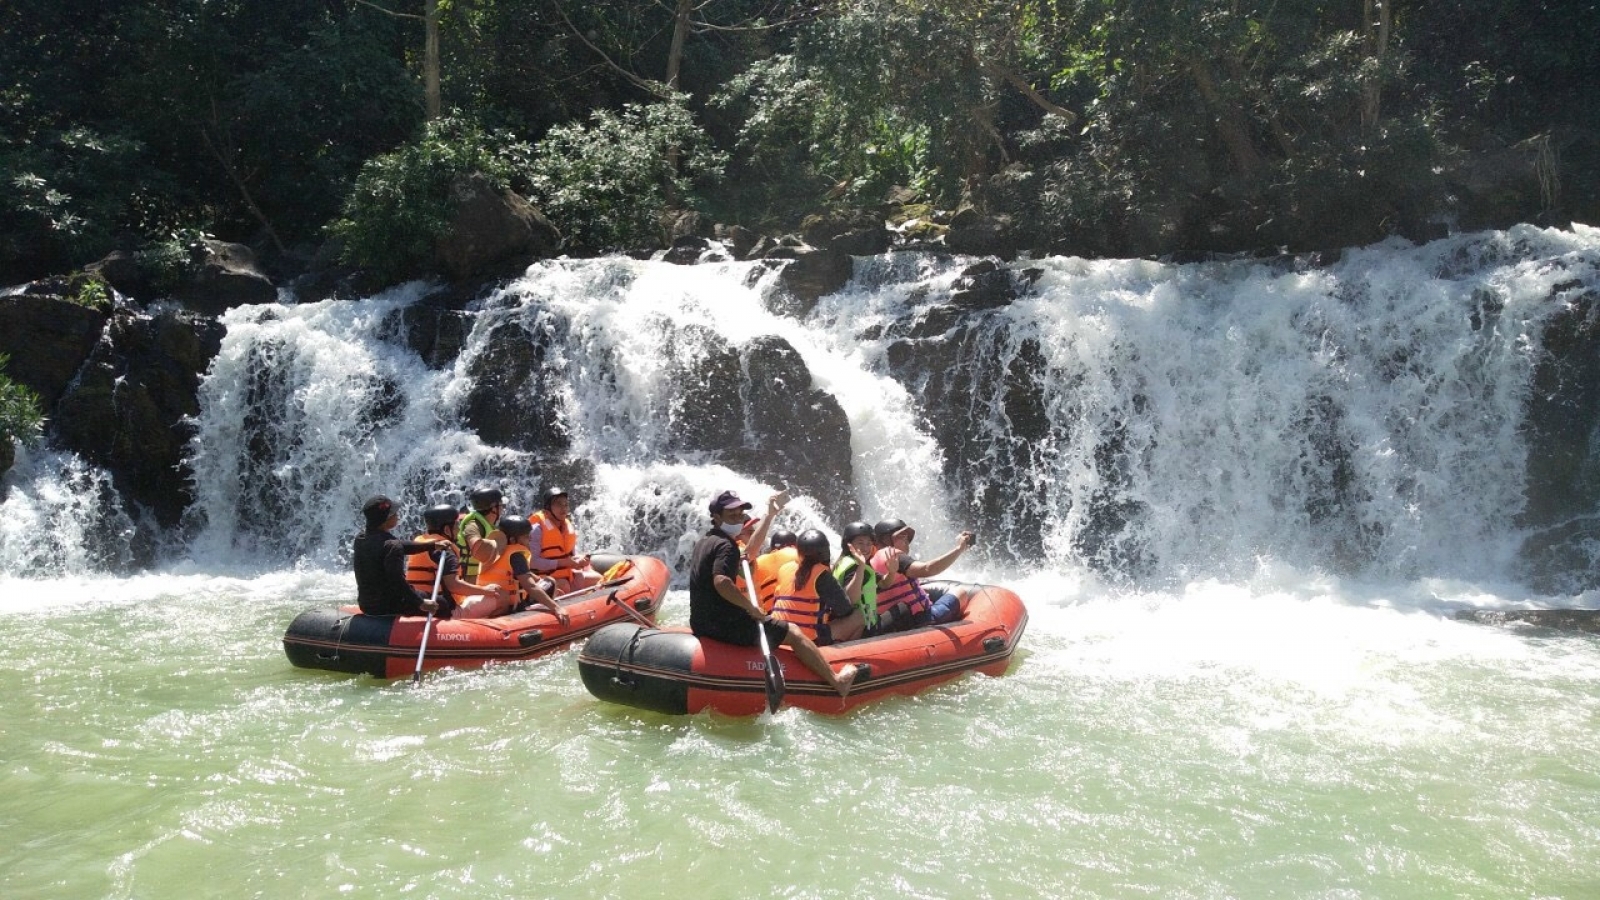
(902, 601)
(764, 568)
(475, 530)
(462, 599)
(556, 542)
(809, 597)
(855, 574)
(514, 568)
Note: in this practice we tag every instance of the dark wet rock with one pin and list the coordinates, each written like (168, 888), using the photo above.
(130, 408)
(491, 228)
(48, 339)
(810, 277)
(975, 234)
(756, 409)
(225, 275)
(984, 285)
(1560, 619)
(686, 250)
(706, 415)
(513, 402)
(1562, 427)
(122, 271)
(856, 232)
(435, 331)
(739, 240)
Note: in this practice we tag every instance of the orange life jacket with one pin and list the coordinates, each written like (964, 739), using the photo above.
(765, 571)
(556, 539)
(799, 603)
(421, 568)
(499, 572)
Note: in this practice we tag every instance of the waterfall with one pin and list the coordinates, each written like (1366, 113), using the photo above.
(1140, 419)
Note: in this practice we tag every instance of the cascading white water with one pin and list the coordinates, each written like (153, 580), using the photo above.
(1189, 420)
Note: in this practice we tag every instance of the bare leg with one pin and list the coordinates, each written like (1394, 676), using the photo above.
(848, 628)
(481, 607)
(812, 659)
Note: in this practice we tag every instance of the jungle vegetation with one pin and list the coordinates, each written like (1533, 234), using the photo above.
(1107, 127)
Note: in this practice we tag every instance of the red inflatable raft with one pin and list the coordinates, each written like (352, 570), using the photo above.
(669, 670)
(343, 640)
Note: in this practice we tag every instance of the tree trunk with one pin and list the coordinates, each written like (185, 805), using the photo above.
(430, 58)
(1230, 122)
(1375, 27)
(680, 30)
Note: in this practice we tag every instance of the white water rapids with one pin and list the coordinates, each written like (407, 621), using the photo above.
(1242, 507)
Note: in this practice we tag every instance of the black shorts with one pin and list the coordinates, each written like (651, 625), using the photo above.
(741, 632)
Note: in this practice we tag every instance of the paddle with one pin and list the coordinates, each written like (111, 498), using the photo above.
(438, 575)
(595, 588)
(775, 686)
(633, 613)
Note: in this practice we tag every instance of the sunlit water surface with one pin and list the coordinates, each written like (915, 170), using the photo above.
(1293, 736)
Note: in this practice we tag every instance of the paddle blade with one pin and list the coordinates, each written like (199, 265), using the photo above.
(775, 685)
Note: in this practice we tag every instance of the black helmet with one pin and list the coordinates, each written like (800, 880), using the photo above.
(855, 530)
(813, 545)
(485, 497)
(783, 537)
(439, 517)
(516, 526)
(550, 494)
(884, 530)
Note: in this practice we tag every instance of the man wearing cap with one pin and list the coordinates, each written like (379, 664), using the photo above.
(380, 564)
(902, 600)
(719, 610)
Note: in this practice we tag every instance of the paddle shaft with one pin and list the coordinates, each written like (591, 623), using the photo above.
(774, 675)
(438, 576)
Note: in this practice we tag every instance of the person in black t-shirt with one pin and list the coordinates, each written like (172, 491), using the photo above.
(380, 564)
(720, 611)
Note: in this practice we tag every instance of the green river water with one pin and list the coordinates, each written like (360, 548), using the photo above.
(1293, 737)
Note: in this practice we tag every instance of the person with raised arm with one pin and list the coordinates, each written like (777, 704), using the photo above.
(379, 563)
(902, 601)
(720, 611)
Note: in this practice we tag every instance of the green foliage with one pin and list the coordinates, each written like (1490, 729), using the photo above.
(605, 184)
(64, 195)
(400, 204)
(89, 291)
(170, 260)
(20, 418)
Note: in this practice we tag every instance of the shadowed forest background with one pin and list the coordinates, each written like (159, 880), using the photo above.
(1091, 127)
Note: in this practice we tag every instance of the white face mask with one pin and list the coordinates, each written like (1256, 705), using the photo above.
(731, 529)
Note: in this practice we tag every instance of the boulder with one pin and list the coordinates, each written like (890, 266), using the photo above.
(857, 233)
(129, 408)
(739, 240)
(687, 250)
(801, 433)
(984, 285)
(122, 271)
(811, 276)
(225, 275)
(513, 398)
(975, 234)
(490, 227)
(48, 338)
(756, 409)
